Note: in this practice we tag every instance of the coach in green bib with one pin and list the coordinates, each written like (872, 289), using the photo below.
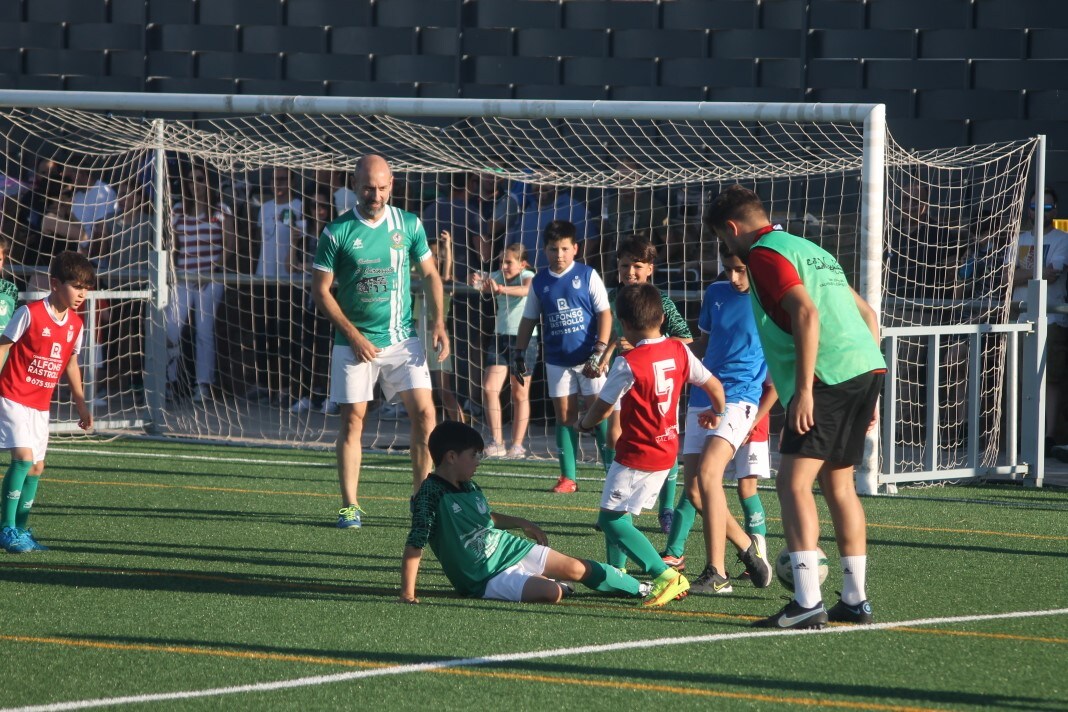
(821, 341)
(368, 254)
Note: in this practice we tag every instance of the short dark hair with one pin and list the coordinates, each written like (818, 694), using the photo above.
(640, 306)
(638, 249)
(73, 267)
(735, 203)
(453, 436)
(559, 230)
(725, 250)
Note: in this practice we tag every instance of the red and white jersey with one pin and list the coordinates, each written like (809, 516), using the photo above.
(650, 378)
(198, 239)
(42, 347)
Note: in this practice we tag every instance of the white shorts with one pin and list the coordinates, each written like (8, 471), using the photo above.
(752, 460)
(630, 490)
(508, 584)
(21, 426)
(733, 427)
(564, 381)
(401, 367)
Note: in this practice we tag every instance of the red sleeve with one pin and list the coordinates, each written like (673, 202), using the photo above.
(772, 275)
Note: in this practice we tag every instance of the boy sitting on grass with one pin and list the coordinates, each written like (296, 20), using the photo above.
(478, 556)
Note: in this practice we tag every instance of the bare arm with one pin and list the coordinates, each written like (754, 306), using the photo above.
(532, 530)
(409, 573)
(518, 290)
(526, 329)
(74, 378)
(805, 320)
(327, 305)
(435, 299)
(5, 349)
(598, 411)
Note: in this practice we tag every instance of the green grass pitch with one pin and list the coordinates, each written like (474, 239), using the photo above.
(201, 577)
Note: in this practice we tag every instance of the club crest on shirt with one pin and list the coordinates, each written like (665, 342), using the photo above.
(398, 241)
(480, 504)
(3, 308)
(576, 282)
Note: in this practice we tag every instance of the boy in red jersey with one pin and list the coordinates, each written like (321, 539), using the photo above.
(39, 345)
(650, 378)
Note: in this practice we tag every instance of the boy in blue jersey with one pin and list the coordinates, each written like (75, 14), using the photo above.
(570, 301)
(732, 352)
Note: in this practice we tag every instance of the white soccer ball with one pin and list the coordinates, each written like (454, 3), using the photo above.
(785, 572)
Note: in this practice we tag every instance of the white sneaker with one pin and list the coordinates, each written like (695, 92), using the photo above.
(517, 452)
(494, 450)
(330, 408)
(301, 406)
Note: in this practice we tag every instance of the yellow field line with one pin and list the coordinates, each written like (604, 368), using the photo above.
(515, 505)
(520, 677)
(992, 636)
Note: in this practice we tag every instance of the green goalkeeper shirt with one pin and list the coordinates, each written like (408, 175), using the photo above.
(674, 326)
(371, 263)
(9, 297)
(456, 522)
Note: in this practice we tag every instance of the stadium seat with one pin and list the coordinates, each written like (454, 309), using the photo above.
(597, 15)
(324, 13)
(241, 12)
(784, 73)
(661, 93)
(846, 44)
(929, 133)
(72, 11)
(275, 38)
(186, 85)
(836, 15)
(995, 130)
(18, 35)
(969, 104)
(782, 15)
(708, 72)
(1048, 105)
(1047, 44)
(973, 44)
(98, 83)
(561, 92)
(126, 63)
(751, 94)
(835, 73)
(9, 81)
(106, 36)
(171, 13)
(373, 40)
(439, 41)
(587, 71)
(330, 67)
(898, 102)
(52, 82)
(10, 62)
(516, 70)
(1034, 13)
(561, 43)
(517, 13)
(364, 89)
(919, 14)
(660, 43)
(129, 11)
(1020, 74)
(489, 43)
(170, 64)
(189, 38)
(413, 68)
(420, 13)
(281, 87)
(916, 74)
(10, 12)
(436, 90)
(487, 91)
(239, 65)
(755, 43)
(710, 14)
(64, 61)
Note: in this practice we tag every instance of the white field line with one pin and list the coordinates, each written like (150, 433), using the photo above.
(512, 657)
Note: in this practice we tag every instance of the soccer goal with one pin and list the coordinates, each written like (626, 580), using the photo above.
(202, 213)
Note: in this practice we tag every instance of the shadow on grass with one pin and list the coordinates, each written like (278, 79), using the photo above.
(970, 548)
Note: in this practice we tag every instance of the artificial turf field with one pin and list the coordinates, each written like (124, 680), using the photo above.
(200, 577)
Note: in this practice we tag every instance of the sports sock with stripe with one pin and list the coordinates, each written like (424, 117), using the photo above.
(12, 490)
(29, 492)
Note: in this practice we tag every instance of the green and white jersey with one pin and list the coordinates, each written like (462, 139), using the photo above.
(371, 263)
(9, 297)
(456, 522)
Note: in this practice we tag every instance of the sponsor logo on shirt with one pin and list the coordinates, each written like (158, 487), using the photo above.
(457, 508)
(70, 334)
(46, 331)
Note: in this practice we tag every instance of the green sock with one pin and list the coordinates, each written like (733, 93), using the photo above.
(619, 529)
(565, 447)
(685, 514)
(609, 579)
(12, 490)
(667, 492)
(600, 436)
(29, 491)
(614, 555)
(753, 511)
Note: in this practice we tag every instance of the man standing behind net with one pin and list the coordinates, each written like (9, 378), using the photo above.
(369, 253)
(820, 340)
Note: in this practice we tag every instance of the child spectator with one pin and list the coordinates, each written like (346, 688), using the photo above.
(572, 303)
(510, 284)
(39, 344)
(479, 557)
(648, 380)
(9, 291)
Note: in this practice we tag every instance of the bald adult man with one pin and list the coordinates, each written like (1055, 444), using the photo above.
(369, 254)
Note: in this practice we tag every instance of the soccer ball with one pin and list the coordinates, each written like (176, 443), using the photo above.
(785, 572)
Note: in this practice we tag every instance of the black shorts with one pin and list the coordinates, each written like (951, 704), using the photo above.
(842, 414)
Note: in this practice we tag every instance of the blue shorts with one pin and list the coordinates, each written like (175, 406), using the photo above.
(499, 352)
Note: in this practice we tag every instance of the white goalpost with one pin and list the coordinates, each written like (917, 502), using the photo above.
(202, 325)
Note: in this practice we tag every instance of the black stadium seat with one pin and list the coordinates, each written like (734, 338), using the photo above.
(845, 44)
(64, 61)
(836, 15)
(755, 43)
(72, 11)
(170, 64)
(277, 38)
(920, 14)
(106, 36)
(1033, 13)
(187, 38)
(1047, 44)
(128, 11)
(126, 63)
(517, 70)
(373, 40)
(916, 74)
(708, 72)
(417, 13)
(972, 44)
(176, 85)
(323, 13)
(413, 68)
(968, 104)
(1020, 74)
(710, 14)
(491, 43)
(241, 12)
(172, 13)
(836, 73)
(596, 15)
(280, 87)
(1049, 105)
(239, 65)
(98, 83)
(586, 71)
(438, 40)
(19, 35)
(518, 13)
(364, 89)
(561, 43)
(328, 67)
(929, 133)
(660, 43)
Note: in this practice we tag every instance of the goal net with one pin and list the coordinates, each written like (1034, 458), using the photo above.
(204, 232)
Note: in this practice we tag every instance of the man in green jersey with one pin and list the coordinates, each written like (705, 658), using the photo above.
(480, 558)
(368, 253)
(821, 342)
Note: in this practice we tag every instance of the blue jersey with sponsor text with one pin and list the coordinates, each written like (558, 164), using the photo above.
(569, 325)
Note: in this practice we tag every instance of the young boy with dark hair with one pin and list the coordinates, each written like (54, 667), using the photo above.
(649, 378)
(570, 301)
(40, 344)
(478, 556)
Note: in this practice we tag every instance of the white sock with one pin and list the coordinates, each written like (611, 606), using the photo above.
(854, 569)
(806, 578)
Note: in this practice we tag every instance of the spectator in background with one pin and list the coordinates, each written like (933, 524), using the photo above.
(1054, 261)
(627, 211)
(337, 182)
(60, 231)
(499, 210)
(544, 205)
(684, 247)
(92, 204)
(277, 331)
(441, 372)
(204, 234)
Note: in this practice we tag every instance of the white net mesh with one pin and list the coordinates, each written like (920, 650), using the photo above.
(241, 353)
